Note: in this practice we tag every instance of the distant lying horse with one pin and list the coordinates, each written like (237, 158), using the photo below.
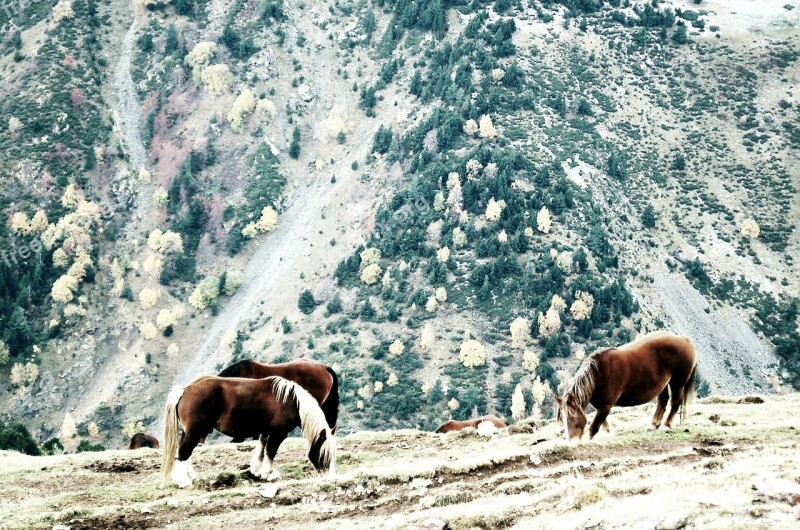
(140, 440)
(316, 378)
(660, 364)
(454, 425)
(269, 408)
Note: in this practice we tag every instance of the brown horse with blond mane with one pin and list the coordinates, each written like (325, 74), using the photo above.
(268, 408)
(659, 364)
(316, 378)
(454, 425)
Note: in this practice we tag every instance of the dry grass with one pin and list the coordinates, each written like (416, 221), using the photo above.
(702, 474)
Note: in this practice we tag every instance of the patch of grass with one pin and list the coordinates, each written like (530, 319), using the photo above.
(591, 495)
(502, 519)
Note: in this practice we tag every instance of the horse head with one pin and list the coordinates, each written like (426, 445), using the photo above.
(571, 414)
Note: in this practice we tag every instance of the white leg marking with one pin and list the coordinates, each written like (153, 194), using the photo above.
(180, 474)
(256, 459)
(266, 468)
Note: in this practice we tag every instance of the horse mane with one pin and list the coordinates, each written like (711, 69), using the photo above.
(312, 419)
(582, 384)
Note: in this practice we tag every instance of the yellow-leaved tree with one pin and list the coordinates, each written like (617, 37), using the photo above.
(518, 407)
(472, 354)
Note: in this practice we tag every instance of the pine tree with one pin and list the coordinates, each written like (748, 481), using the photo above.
(306, 302)
(485, 291)
(649, 217)
(294, 148)
(679, 36)
(18, 333)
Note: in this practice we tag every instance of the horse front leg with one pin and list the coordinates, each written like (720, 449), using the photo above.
(274, 442)
(183, 473)
(257, 459)
(598, 420)
(663, 398)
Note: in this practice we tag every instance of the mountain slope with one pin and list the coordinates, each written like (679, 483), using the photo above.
(473, 195)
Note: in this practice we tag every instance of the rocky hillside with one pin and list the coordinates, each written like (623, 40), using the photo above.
(451, 202)
(733, 464)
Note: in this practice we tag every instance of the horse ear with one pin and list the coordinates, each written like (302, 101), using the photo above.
(559, 400)
(570, 398)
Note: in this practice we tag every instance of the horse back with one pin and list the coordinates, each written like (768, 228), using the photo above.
(494, 420)
(312, 375)
(637, 372)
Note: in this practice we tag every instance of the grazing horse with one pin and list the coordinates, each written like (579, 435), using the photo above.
(140, 440)
(316, 378)
(659, 364)
(453, 425)
(268, 408)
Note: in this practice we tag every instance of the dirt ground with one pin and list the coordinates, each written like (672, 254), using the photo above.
(732, 465)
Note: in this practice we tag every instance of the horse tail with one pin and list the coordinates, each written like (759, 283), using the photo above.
(171, 431)
(312, 421)
(688, 393)
(331, 404)
(237, 369)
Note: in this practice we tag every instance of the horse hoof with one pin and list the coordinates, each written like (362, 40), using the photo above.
(184, 484)
(274, 475)
(652, 427)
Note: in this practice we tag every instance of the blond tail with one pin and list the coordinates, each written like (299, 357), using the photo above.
(171, 432)
(688, 394)
(312, 420)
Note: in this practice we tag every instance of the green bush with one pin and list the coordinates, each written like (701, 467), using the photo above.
(306, 302)
(649, 217)
(383, 140)
(294, 147)
(15, 437)
(86, 446)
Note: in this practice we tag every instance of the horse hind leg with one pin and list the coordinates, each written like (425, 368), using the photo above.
(663, 399)
(675, 404)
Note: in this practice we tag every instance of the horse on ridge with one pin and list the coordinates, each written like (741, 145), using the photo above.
(316, 378)
(268, 408)
(454, 425)
(660, 364)
(141, 440)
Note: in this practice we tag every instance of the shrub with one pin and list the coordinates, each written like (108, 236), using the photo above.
(649, 217)
(15, 437)
(294, 147)
(306, 302)
(87, 446)
(382, 140)
(53, 446)
(334, 306)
